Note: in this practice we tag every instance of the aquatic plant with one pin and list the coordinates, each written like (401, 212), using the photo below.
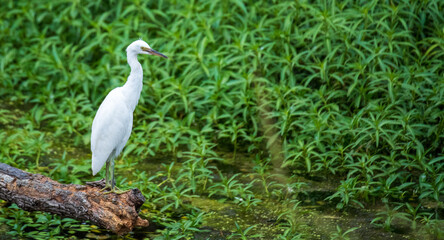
(344, 97)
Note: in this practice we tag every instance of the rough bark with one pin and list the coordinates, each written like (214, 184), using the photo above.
(35, 192)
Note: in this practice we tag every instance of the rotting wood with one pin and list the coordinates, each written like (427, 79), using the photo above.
(35, 192)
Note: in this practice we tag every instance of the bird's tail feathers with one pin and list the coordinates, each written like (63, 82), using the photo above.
(97, 164)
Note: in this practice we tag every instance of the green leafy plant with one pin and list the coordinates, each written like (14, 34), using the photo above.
(387, 216)
(344, 96)
(340, 234)
(243, 233)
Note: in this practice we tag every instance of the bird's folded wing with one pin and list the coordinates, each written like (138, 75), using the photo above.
(109, 128)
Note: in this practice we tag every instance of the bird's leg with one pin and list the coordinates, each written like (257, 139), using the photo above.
(114, 189)
(107, 178)
(113, 180)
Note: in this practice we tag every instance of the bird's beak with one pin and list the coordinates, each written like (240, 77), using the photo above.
(153, 52)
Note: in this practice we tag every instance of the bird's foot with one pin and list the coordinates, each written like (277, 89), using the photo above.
(116, 190)
(107, 186)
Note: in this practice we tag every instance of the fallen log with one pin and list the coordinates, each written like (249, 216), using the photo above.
(35, 192)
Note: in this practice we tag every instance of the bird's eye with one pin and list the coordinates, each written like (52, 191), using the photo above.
(145, 49)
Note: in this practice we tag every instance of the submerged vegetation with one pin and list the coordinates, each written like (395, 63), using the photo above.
(267, 114)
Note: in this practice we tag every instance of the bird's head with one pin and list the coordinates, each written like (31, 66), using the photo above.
(141, 47)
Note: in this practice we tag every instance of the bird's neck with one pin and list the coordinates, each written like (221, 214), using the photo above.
(133, 85)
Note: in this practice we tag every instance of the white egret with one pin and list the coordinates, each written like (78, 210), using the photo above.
(113, 122)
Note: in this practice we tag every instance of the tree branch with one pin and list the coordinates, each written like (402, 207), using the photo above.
(35, 192)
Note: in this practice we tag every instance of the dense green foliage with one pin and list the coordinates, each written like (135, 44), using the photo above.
(350, 90)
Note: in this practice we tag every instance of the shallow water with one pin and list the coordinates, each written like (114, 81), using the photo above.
(313, 218)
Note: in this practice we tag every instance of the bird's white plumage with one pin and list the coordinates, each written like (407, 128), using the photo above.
(113, 121)
(111, 129)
